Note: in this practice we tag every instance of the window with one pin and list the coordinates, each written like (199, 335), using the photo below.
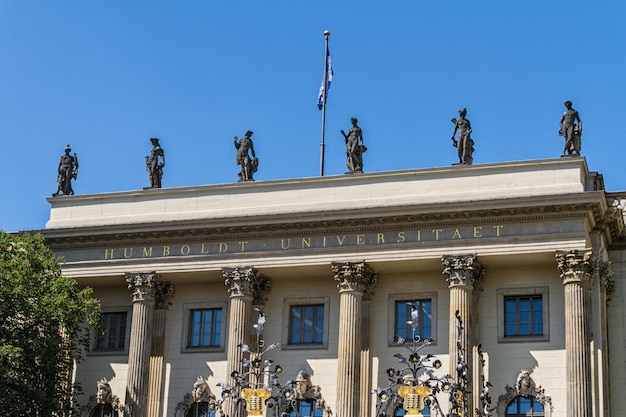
(404, 309)
(523, 314)
(111, 337)
(400, 308)
(205, 328)
(524, 406)
(104, 410)
(306, 324)
(200, 409)
(306, 408)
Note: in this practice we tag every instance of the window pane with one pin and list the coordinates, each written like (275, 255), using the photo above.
(306, 324)
(523, 316)
(205, 327)
(112, 336)
(403, 309)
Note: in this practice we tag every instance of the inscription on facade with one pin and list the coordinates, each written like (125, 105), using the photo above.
(303, 243)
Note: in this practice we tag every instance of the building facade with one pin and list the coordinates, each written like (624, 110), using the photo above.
(530, 255)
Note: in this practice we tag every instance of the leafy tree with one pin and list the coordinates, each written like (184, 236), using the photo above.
(42, 329)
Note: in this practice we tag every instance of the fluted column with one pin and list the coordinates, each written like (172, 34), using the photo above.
(142, 287)
(353, 279)
(607, 287)
(463, 274)
(245, 286)
(577, 270)
(366, 360)
(163, 293)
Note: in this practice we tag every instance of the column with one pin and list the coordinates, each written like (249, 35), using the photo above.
(163, 293)
(577, 268)
(607, 287)
(142, 288)
(463, 273)
(353, 280)
(245, 286)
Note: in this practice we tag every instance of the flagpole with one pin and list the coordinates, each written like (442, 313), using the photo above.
(325, 83)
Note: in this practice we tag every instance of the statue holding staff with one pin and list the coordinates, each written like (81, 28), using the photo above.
(249, 165)
(354, 147)
(68, 169)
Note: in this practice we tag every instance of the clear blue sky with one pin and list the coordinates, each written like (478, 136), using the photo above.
(106, 76)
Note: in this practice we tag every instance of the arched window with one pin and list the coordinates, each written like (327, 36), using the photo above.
(524, 407)
(104, 410)
(200, 409)
(306, 408)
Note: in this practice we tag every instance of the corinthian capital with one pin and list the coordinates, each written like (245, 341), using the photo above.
(142, 286)
(245, 281)
(354, 276)
(164, 291)
(607, 279)
(578, 266)
(462, 270)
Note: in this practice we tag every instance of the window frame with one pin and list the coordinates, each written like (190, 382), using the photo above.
(504, 293)
(93, 351)
(187, 309)
(291, 302)
(408, 297)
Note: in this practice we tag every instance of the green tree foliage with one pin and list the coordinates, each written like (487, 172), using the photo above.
(42, 329)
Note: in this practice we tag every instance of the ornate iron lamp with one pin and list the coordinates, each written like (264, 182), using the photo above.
(258, 383)
(415, 385)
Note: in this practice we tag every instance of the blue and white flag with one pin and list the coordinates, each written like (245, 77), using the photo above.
(328, 78)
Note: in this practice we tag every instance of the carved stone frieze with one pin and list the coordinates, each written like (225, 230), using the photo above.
(200, 393)
(354, 276)
(142, 286)
(245, 281)
(462, 270)
(577, 266)
(524, 387)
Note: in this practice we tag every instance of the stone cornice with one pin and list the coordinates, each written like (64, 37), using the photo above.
(503, 211)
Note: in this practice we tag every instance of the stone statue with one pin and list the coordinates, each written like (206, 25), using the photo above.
(104, 395)
(571, 131)
(465, 144)
(68, 169)
(153, 165)
(354, 147)
(249, 165)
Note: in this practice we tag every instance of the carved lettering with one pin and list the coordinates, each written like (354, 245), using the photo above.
(108, 254)
(436, 232)
(223, 247)
(185, 249)
(340, 240)
(419, 235)
(243, 245)
(324, 242)
(360, 239)
(202, 251)
(457, 234)
(128, 252)
(147, 252)
(306, 242)
(166, 251)
(498, 228)
(478, 232)
(282, 243)
(381, 239)
(401, 237)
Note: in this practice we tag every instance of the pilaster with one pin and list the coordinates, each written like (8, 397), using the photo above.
(353, 280)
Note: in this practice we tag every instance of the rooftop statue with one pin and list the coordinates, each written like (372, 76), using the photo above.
(153, 165)
(465, 144)
(68, 169)
(249, 165)
(354, 147)
(571, 131)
